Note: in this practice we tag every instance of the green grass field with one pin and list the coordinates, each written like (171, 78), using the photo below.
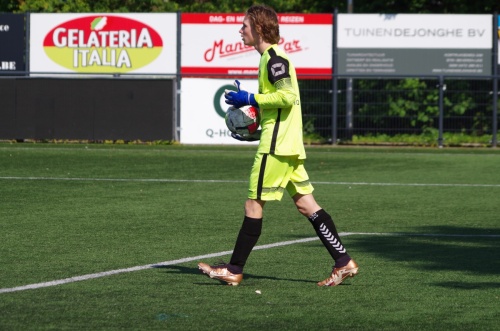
(107, 237)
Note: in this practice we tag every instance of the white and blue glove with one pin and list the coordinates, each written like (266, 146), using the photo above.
(240, 98)
(250, 137)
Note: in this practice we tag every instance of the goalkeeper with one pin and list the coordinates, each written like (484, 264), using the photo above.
(279, 162)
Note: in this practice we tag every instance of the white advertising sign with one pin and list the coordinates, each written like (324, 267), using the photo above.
(414, 44)
(414, 31)
(211, 44)
(104, 43)
(203, 109)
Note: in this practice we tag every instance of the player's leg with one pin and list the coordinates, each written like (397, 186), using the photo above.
(301, 190)
(265, 184)
(232, 272)
(324, 226)
(248, 236)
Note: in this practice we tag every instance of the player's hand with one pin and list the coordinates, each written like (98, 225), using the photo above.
(239, 98)
(251, 137)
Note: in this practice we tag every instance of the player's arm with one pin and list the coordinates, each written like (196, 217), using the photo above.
(280, 92)
(284, 96)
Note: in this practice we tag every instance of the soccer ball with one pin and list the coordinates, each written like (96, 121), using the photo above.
(244, 120)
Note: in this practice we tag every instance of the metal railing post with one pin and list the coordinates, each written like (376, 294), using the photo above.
(442, 87)
(494, 123)
(178, 78)
(334, 81)
(494, 138)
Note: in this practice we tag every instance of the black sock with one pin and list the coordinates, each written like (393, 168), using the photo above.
(247, 238)
(326, 231)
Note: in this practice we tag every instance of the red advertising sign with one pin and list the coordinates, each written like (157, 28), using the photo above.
(211, 45)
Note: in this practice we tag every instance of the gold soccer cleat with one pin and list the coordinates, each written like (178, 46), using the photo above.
(221, 273)
(339, 274)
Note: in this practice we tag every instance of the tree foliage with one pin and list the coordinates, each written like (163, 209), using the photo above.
(283, 6)
(418, 99)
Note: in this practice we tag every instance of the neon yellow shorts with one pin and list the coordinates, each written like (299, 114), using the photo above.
(272, 174)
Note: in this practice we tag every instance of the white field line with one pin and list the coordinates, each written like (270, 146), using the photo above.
(167, 180)
(310, 149)
(145, 180)
(207, 256)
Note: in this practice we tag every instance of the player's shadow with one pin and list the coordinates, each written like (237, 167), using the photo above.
(193, 271)
(439, 248)
(433, 249)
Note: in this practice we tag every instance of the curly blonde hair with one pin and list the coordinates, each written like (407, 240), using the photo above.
(265, 22)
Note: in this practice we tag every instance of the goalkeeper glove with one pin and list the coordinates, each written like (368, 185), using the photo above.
(240, 98)
(250, 137)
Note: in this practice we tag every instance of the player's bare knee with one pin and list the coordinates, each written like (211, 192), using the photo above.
(306, 204)
(253, 208)
(301, 209)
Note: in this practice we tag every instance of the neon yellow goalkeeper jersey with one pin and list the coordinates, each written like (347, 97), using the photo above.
(279, 104)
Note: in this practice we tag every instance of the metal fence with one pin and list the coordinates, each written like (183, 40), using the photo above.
(338, 110)
(435, 107)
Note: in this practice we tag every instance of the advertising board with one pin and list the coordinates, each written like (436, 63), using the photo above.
(12, 43)
(211, 44)
(104, 43)
(414, 44)
(203, 109)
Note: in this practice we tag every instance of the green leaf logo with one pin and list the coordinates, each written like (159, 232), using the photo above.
(99, 23)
